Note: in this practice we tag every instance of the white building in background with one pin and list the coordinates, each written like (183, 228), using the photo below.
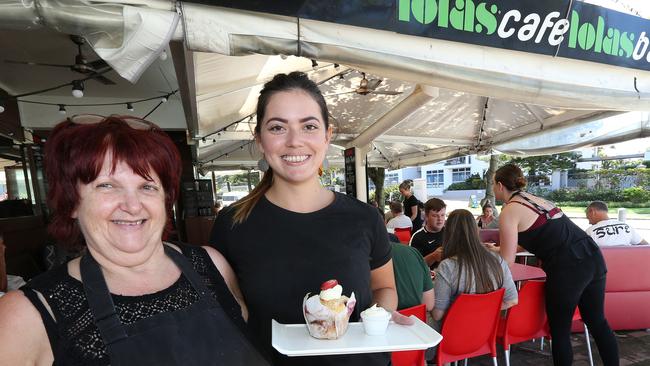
(441, 175)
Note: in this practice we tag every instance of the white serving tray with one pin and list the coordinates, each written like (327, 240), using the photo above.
(294, 339)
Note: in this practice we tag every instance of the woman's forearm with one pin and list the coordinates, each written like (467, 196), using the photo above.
(386, 298)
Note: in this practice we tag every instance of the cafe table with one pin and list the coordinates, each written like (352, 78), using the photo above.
(521, 272)
(525, 255)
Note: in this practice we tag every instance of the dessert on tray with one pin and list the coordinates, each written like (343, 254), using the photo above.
(327, 313)
(375, 320)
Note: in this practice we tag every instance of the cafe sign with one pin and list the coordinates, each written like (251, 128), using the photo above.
(563, 28)
(583, 31)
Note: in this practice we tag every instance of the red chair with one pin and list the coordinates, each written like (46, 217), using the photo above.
(526, 320)
(403, 234)
(577, 317)
(469, 328)
(411, 358)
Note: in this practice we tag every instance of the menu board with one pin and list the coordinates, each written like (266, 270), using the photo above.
(350, 173)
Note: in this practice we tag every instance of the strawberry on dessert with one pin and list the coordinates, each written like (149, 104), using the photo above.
(327, 313)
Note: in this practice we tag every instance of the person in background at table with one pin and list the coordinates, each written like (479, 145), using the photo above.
(412, 277)
(216, 208)
(132, 298)
(574, 266)
(411, 207)
(290, 234)
(487, 219)
(373, 203)
(399, 220)
(606, 231)
(468, 267)
(428, 239)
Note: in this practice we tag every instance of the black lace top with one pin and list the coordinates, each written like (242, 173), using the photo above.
(75, 339)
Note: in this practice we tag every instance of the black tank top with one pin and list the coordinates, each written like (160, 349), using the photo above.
(557, 241)
(74, 332)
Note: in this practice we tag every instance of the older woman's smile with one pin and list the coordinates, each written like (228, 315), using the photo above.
(129, 223)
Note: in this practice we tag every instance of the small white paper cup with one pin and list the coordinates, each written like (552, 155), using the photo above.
(375, 325)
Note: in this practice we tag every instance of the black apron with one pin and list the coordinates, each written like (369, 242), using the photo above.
(201, 334)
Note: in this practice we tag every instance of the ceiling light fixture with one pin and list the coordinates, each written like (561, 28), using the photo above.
(129, 107)
(2, 107)
(314, 64)
(336, 66)
(77, 88)
(62, 109)
(163, 99)
(163, 55)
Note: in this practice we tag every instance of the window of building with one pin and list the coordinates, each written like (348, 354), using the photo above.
(391, 179)
(460, 174)
(458, 160)
(435, 179)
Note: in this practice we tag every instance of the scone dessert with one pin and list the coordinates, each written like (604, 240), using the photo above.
(327, 313)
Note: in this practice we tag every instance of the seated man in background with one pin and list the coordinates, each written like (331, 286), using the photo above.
(412, 278)
(428, 240)
(399, 220)
(606, 231)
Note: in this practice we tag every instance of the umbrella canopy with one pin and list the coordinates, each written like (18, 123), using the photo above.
(438, 82)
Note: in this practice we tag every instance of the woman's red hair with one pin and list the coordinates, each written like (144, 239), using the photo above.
(74, 154)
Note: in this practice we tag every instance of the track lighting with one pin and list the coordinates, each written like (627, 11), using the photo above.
(77, 88)
(62, 109)
(163, 99)
(129, 107)
(314, 64)
(341, 77)
(203, 139)
(2, 107)
(336, 66)
(163, 55)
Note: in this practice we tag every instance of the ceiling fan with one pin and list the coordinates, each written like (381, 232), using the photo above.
(92, 69)
(368, 87)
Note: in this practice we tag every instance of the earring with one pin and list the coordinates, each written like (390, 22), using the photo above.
(324, 165)
(262, 164)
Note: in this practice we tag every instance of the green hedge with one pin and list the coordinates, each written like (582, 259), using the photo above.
(609, 204)
(634, 195)
(473, 182)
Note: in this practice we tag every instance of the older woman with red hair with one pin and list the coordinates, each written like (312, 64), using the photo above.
(131, 299)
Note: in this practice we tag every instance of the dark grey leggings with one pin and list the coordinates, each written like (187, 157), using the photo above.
(581, 284)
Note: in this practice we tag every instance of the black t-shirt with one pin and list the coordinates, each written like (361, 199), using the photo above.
(408, 204)
(279, 256)
(425, 241)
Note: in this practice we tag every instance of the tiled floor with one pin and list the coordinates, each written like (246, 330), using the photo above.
(634, 349)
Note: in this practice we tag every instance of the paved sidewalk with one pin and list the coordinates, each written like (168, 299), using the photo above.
(634, 349)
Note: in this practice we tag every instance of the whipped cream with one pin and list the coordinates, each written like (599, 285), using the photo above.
(331, 293)
(374, 311)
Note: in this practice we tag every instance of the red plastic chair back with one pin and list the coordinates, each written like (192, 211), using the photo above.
(526, 320)
(470, 327)
(403, 234)
(411, 358)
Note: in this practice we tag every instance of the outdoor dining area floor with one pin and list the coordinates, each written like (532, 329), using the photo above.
(634, 349)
